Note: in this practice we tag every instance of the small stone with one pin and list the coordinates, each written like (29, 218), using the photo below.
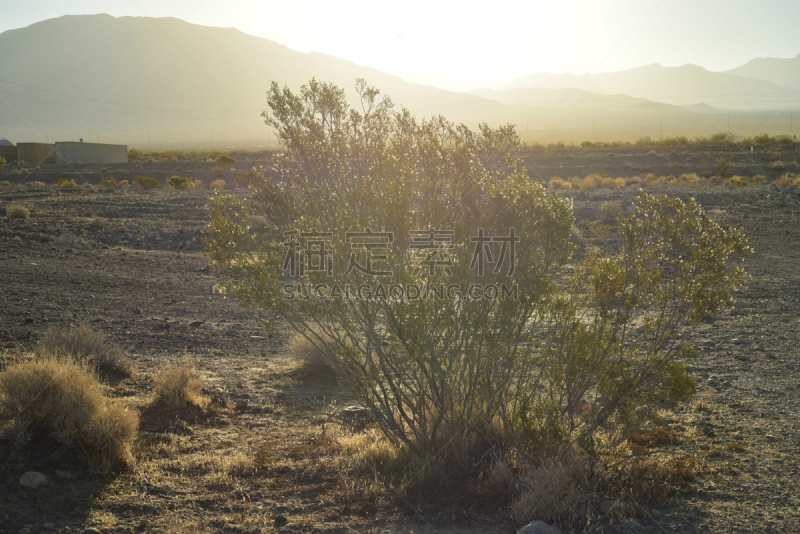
(66, 240)
(743, 357)
(230, 332)
(91, 530)
(32, 479)
(655, 513)
(280, 520)
(24, 531)
(208, 326)
(256, 408)
(539, 527)
(242, 405)
(48, 526)
(633, 525)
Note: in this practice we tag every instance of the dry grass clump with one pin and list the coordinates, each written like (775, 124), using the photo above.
(66, 184)
(17, 212)
(217, 184)
(108, 181)
(550, 493)
(179, 392)
(5, 185)
(370, 453)
(315, 362)
(85, 345)
(556, 182)
(787, 180)
(61, 400)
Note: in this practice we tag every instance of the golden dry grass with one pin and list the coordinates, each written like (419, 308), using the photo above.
(178, 391)
(59, 399)
(84, 344)
(17, 212)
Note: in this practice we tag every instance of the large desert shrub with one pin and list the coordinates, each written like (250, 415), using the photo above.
(59, 399)
(460, 347)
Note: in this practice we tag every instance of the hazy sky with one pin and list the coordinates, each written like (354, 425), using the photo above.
(489, 40)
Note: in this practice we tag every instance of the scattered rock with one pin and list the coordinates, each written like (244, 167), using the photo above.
(231, 332)
(92, 530)
(655, 513)
(32, 479)
(66, 240)
(48, 526)
(242, 405)
(539, 527)
(280, 521)
(208, 326)
(24, 531)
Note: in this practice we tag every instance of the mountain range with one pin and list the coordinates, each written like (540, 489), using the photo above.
(154, 82)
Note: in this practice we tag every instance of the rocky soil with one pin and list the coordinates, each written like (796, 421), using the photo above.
(131, 264)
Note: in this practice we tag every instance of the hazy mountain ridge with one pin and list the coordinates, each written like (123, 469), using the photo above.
(684, 85)
(123, 79)
(780, 71)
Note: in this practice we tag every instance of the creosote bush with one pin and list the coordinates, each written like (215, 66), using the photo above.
(17, 212)
(217, 184)
(406, 219)
(225, 162)
(108, 181)
(59, 399)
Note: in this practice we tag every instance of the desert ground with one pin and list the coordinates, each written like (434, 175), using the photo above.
(268, 455)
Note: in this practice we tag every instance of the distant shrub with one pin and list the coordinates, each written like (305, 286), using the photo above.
(108, 181)
(777, 165)
(219, 172)
(5, 184)
(785, 180)
(36, 183)
(124, 183)
(244, 179)
(218, 184)
(177, 169)
(17, 212)
(57, 399)
(2, 163)
(146, 182)
(722, 168)
(180, 183)
(557, 183)
(135, 154)
(198, 184)
(225, 162)
(66, 184)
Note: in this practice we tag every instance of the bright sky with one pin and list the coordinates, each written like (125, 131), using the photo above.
(498, 40)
